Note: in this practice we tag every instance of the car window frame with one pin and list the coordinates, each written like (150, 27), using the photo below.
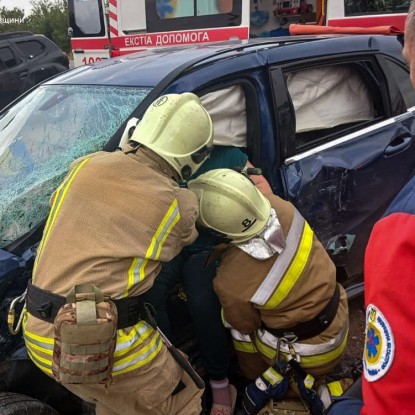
(392, 80)
(16, 57)
(281, 98)
(44, 48)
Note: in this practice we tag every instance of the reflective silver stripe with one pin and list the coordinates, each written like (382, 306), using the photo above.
(43, 345)
(240, 337)
(125, 342)
(278, 270)
(300, 348)
(47, 367)
(140, 357)
(225, 323)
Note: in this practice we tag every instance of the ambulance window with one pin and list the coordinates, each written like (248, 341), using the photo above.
(171, 15)
(132, 16)
(168, 9)
(86, 17)
(359, 8)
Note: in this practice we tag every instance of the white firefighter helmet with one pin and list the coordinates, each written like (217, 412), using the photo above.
(230, 204)
(179, 129)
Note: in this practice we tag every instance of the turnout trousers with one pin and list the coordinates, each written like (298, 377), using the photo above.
(162, 388)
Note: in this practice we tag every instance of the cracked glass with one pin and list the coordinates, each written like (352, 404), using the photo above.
(42, 134)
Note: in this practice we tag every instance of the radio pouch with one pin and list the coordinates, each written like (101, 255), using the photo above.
(85, 337)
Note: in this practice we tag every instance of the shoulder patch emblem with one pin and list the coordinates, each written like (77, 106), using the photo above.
(379, 345)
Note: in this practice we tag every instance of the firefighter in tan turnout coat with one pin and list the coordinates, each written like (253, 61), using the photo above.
(275, 281)
(115, 218)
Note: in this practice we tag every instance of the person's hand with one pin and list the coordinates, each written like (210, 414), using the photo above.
(270, 385)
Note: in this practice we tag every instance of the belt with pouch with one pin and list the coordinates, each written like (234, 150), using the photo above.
(313, 327)
(45, 305)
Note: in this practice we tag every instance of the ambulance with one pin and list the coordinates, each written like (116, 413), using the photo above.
(101, 29)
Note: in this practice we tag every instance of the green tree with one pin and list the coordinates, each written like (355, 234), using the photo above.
(12, 20)
(50, 17)
(47, 17)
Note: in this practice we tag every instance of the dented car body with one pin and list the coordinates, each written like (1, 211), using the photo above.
(330, 121)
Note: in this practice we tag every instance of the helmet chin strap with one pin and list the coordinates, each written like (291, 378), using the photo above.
(270, 241)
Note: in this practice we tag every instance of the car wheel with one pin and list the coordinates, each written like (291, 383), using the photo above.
(16, 404)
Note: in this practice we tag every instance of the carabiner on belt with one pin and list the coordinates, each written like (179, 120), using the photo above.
(11, 315)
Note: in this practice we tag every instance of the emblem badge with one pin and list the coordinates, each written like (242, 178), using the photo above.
(379, 345)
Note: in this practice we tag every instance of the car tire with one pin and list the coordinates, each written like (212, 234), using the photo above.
(16, 404)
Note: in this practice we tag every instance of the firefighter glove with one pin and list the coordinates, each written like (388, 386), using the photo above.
(270, 385)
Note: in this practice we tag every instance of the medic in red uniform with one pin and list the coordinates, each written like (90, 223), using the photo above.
(388, 358)
(389, 362)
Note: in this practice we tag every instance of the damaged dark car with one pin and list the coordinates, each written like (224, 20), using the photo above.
(330, 120)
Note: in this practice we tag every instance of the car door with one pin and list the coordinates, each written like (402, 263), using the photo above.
(12, 74)
(346, 148)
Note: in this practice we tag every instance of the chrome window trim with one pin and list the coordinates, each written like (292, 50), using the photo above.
(298, 157)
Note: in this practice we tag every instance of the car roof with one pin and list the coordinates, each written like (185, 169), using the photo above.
(147, 68)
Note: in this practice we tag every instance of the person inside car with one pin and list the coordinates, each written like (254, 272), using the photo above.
(115, 218)
(390, 255)
(277, 286)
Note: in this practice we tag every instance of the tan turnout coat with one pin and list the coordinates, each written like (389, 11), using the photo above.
(301, 285)
(113, 220)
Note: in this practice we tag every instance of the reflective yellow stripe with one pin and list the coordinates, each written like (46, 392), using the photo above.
(272, 376)
(57, 204)
(37, 347)
(335, 388)
(136, 272)
(242, 342)
(294, 271)
(307, 361)
(46, 342)
(292, 252)
(126, 342)
(136, 360)
(35, 342)
(40, 362)
(244, 346)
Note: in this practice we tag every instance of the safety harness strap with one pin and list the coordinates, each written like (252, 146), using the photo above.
(305, 382)
(313, 327)
(45, 305)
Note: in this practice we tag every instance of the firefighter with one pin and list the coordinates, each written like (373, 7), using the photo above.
(277, 286)
(115, 218)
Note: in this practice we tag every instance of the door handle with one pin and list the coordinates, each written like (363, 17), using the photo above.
(398, 145)
(23, 75)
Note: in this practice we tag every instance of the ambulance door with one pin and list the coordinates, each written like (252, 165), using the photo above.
(88, 31)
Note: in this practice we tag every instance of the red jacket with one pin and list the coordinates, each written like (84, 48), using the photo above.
(389, 355)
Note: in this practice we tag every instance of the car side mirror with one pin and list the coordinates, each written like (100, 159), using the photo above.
(70, 31)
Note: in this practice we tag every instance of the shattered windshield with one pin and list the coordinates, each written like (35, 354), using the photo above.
(42, 134)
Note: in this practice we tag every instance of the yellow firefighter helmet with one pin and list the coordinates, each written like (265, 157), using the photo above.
(179, 129)
(230, 204)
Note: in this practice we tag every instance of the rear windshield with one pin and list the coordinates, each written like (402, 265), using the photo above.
(42, 134)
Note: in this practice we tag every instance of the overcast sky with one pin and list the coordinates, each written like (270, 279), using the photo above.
(21, 4)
